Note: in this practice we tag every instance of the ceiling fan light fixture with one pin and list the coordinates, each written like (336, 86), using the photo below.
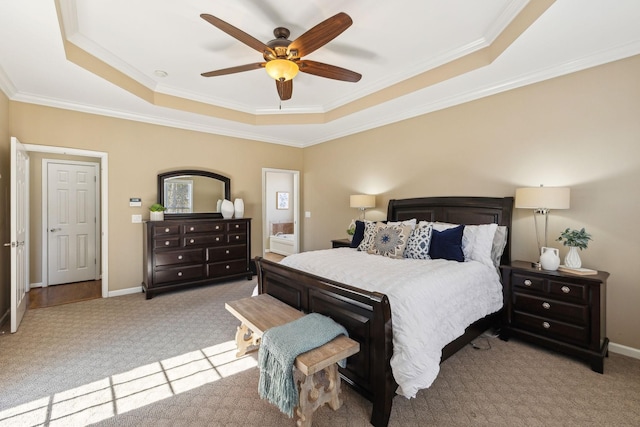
(282, 69)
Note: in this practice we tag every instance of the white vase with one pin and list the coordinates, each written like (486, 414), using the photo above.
(226, 208)
(572, 259)
(218, 205)
(238, 206)
(156, 216)
(549, 258)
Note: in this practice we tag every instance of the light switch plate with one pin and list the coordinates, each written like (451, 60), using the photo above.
(136, 218)
(307, 214)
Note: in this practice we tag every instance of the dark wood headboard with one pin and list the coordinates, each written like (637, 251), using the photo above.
(457, 210)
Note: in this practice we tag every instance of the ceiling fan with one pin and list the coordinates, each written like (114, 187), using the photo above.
(283, 57)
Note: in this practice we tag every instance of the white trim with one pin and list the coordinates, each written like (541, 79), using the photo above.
(128, 291)
(624, 350)
(104, 202)
(296, 207)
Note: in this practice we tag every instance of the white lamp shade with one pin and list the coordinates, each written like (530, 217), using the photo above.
(362, 201)
(543, 197)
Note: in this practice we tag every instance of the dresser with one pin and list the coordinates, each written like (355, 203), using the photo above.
(179, 253)
(561, 311)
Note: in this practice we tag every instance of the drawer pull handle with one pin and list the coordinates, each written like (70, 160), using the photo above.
(566, 289)
(237, 225)
(191, 241)
(179, 256)
(179, 273)
(217, 227)
(546, 305)
(527, 282)
(227, 267)
(166, 230)
(237, 237)
(227, 251)
(217, 239)
(167, 243)
(546, 325)
(191, 228)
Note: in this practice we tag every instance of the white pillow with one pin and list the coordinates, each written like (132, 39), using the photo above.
(499, 243)
(477, 241)
(410, 222)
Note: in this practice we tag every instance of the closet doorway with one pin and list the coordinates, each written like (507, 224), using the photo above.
(280, 211)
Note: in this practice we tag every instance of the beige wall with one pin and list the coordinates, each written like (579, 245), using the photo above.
(137, 153)
(581, 131)
(4, 207)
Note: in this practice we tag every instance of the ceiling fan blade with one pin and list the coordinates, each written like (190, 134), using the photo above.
(237, 34)
(328, 71)
(285, 89)
(231, 70)
(320, 35)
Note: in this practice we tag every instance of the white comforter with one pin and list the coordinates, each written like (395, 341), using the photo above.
(432, 302)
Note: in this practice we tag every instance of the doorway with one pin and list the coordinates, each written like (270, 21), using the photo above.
(69, 155)
(280, 211)
(70, 222)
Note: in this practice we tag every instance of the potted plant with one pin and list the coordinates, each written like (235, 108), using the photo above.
(157, 212)
(575, 239)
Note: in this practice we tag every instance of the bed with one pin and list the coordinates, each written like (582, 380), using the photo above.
(367, 314)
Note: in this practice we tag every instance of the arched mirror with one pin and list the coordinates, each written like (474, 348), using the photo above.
(192, 193)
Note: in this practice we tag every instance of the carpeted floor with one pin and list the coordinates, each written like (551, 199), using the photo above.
(170, 361)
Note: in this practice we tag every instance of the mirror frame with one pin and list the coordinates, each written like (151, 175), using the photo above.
(162, 176)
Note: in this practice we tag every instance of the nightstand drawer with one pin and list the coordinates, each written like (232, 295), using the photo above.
(569, 291)
(553, 309)
(578, 335)
(528, 282)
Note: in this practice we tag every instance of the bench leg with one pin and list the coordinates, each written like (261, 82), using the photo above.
(245, 338)
(316, 390)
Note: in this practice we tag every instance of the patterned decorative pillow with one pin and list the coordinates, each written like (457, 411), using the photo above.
(390, 240)
(418, 244)
(369, 235)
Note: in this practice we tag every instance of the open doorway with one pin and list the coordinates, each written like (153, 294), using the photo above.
(280, 212)
(39, 255)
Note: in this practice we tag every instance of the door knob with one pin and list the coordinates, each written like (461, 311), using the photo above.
(53, 230)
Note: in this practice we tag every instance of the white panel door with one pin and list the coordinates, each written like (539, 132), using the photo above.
(71, 225)
(19, 232)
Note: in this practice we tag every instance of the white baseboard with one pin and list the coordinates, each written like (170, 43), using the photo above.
(624, 350)
(128, 291)
(35, 285)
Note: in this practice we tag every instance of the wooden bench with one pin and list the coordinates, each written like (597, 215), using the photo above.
(315, 373)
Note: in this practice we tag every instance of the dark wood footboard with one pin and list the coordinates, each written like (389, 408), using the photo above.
(366, 315)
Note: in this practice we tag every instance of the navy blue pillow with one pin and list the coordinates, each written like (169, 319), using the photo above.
(358, 235)
(447, 244)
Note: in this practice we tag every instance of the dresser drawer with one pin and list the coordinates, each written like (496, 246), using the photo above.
(163, 230)
(546, 327)
(569, 291)
(189, 256)
(227, 253)
(203, 228)
(218, 269)
(552, 309)
(529, 282)
(237, 227)
(204, 239)
(178, 274)
(166, 242)
(236, 238)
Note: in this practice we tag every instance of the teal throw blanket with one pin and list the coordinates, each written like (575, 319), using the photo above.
(279, 348)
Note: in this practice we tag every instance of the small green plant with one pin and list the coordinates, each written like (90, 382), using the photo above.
(157, 207)
(351, 230)
(578, 238)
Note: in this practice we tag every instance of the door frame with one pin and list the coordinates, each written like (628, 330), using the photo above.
(104, 200)
(296, 205)
(45, 210)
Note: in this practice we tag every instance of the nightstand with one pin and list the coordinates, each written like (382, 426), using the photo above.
(561, 311)
(340, 243)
